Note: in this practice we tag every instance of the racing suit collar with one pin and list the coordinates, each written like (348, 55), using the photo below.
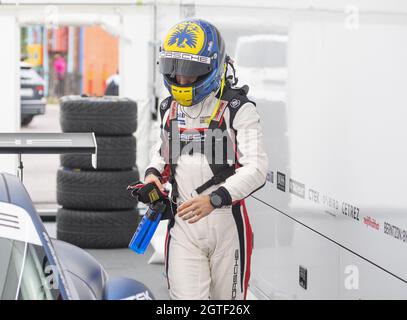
(209, 100)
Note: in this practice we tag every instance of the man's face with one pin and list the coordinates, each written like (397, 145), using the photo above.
(183, 80)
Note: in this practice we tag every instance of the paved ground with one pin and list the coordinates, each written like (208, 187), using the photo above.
(42, 168)
(40, 181)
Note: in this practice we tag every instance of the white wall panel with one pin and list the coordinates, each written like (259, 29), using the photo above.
(9, 84)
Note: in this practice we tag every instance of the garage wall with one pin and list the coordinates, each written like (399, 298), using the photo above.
(136, 63)
(134, 25)
(346, 120)
(9, 84)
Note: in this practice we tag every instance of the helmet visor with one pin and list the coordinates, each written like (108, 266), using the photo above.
(184, 64)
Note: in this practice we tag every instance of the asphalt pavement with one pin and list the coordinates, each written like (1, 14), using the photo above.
(40, 171)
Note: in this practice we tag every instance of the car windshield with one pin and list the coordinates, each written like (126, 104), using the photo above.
(25, 273)
(29, 74)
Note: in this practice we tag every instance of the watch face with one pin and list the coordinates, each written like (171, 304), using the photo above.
(216, 200)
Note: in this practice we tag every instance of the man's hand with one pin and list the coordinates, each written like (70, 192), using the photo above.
(152, 178)
(195, 209)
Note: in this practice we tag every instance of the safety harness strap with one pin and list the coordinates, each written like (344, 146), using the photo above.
(221, 171)
(174, 154)
(219, 177)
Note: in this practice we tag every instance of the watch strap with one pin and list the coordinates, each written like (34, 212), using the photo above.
(225, 196)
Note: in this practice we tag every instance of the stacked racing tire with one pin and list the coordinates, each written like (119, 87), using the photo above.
(97, 210)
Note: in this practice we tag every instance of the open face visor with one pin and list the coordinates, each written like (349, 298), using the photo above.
(184, 64)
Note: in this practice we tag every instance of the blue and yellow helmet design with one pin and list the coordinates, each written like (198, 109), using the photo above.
(192, 48)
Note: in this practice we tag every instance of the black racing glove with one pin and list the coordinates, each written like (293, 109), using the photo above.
(147, 193)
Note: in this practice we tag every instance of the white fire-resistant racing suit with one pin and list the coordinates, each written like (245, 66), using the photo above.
(210, 259)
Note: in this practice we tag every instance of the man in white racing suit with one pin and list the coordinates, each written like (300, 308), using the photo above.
(209, 239)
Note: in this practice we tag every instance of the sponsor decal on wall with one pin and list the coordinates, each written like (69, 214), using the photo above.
(329, 204)
(270, 176)
(324, 200)
(350, 210)
(395, 232)
(371, 222)
(281, 181)
(297, 188)
(313, 195)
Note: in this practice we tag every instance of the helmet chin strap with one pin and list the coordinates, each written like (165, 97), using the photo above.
(222, 85)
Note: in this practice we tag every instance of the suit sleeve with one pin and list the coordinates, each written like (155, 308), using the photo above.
(157, 160)
(252, 156)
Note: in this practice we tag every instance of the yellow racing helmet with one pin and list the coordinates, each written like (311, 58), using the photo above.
(192, 48)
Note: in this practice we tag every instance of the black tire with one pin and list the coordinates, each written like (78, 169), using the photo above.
(114, 153)
(26, 120)
(106, 116)
(95, 190)
(97, 229)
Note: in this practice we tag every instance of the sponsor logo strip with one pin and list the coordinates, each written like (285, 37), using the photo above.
(297, 188)
(185, 56)
(395, 232)
(281, 181)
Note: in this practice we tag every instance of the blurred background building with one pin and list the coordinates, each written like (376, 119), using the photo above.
(72, 60)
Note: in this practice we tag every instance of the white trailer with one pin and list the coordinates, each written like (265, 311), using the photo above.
(331, 222)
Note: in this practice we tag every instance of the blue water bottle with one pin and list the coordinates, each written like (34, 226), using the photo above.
(146, 230)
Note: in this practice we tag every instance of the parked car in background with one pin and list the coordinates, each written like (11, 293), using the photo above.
(31, 92)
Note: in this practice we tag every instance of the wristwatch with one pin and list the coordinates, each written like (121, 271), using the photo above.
(216, 200)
